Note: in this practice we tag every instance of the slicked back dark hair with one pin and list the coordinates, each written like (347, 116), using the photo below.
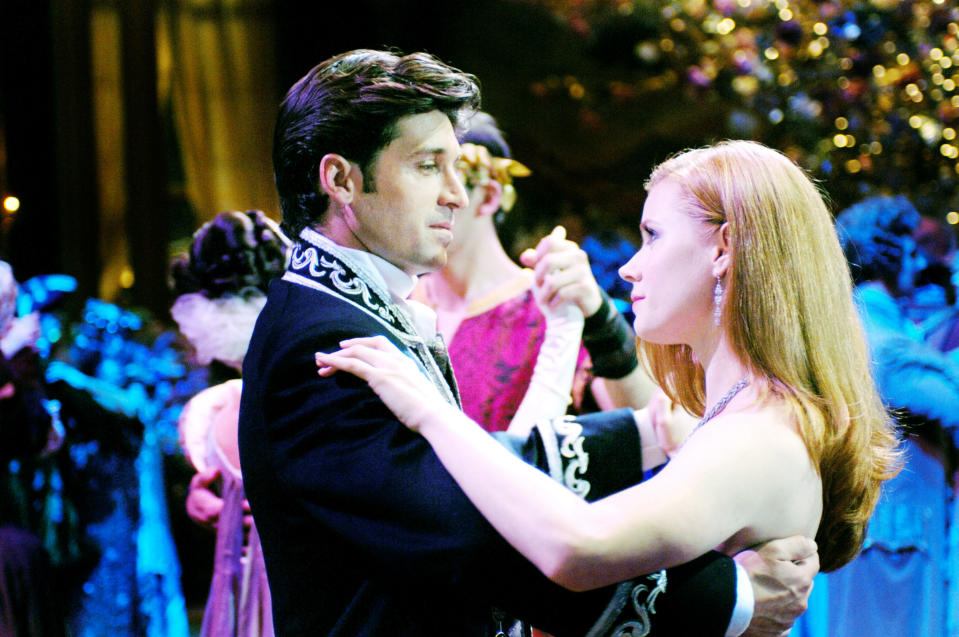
(350, 105)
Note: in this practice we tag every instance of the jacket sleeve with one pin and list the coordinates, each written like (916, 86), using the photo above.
(599, 454)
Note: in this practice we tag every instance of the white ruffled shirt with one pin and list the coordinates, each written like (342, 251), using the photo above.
(400, 286)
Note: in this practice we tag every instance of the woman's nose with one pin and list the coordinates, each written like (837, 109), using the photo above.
(629, 272)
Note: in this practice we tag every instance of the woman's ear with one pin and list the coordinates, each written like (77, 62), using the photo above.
(723, 255)
(338, 178)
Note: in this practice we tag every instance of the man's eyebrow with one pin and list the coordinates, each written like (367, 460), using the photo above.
(430, 151)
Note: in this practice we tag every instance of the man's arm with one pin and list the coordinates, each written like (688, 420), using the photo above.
(596, 455)
(780, 572)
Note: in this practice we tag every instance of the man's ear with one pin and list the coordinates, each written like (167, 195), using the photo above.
(492, 197)
(339, 178)
(723, 254)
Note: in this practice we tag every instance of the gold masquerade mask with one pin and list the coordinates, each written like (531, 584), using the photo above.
(477, 167)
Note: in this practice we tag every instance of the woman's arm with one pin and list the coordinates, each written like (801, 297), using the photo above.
(548, 393)
(695, 503)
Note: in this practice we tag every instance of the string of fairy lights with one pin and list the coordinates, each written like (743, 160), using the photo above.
(863, 94)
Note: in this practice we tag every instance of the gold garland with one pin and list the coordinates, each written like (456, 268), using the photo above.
(477, 167)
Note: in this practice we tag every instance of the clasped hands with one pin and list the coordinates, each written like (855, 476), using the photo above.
(562, 275)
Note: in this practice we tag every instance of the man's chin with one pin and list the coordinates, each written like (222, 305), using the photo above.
(430, 264)
(439, 261)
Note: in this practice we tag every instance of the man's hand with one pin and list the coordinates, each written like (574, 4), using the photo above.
(202, 505)
(781, 572)
(671, 424)
(563, 272)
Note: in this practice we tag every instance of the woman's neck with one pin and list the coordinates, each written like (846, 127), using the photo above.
(722, 369)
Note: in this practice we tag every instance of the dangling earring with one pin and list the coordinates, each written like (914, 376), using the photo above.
(718, 300)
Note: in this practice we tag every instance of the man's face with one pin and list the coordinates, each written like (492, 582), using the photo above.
(408, 219)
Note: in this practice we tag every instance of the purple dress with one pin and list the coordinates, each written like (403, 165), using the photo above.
(239, 601)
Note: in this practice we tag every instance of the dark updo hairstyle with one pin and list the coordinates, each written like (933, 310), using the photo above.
(349, 105)
(234, 253)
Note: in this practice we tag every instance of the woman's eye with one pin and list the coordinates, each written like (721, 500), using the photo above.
(430, 166)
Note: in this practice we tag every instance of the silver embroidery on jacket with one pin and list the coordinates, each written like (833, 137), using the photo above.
(644, 604)
(324, 267)
(571, 448)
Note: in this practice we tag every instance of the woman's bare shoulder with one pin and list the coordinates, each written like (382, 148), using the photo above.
(762, 457)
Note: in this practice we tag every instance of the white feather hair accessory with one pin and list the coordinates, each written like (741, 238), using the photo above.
(219, 329)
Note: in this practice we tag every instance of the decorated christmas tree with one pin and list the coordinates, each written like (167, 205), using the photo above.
(860, 93)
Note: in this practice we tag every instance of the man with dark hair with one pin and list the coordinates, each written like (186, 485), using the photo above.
(363, 530)
(350, 106)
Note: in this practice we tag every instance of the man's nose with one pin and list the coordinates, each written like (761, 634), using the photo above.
(454, 195)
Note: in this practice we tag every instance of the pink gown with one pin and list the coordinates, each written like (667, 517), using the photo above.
(494, 351)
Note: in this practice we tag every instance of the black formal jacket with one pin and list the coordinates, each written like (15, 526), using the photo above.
(363, 530)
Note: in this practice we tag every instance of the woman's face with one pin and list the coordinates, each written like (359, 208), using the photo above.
(673, 274)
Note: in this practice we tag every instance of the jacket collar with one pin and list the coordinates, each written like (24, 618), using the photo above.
(356, 278)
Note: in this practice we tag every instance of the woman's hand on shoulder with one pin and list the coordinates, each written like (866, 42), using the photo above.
(394, 377)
